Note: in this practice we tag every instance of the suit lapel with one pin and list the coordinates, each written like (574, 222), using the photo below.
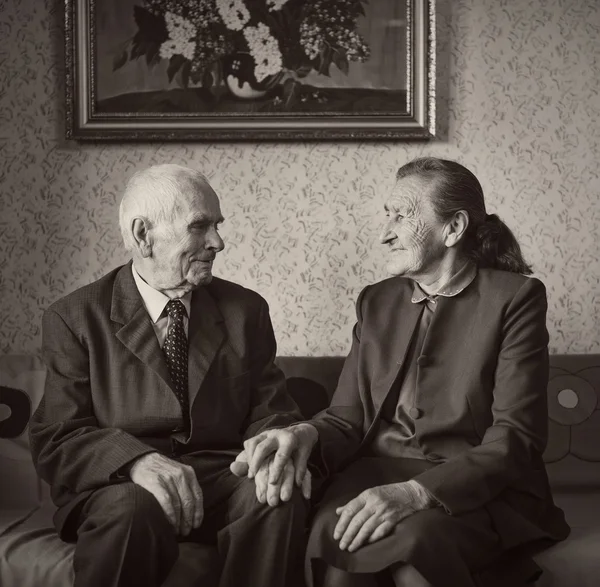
(136, 332)
(205, 335)
(397, 335)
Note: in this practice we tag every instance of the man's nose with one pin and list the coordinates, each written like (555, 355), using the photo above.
(214, 240)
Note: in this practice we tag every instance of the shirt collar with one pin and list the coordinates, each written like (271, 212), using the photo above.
(154, 300)
(457, 283)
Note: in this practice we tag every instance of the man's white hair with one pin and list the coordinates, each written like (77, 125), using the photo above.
(156, 194)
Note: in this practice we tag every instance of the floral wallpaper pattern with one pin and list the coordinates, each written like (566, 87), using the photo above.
(518, 102)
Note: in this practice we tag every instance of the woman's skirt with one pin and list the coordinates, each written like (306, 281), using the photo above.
(447, 550)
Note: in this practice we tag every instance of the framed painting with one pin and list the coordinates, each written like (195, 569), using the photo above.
(250, 69)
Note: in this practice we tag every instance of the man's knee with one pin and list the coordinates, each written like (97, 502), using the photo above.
(295, 509)
(123, 538)
(127, 504)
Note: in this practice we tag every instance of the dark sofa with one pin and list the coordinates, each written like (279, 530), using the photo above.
(31, 555)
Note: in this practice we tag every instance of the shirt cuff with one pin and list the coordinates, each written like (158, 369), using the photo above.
(124, 472)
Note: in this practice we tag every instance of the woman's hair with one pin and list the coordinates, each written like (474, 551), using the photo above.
(487, 241)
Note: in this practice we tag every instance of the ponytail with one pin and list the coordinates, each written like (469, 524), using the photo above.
(496, 247)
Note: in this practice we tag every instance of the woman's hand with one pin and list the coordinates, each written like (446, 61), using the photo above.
(375, 512)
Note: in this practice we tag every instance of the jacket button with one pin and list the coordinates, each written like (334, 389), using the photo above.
(423, 361)
(415, 413)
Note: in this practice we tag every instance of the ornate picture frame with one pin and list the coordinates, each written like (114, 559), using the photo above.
(250, 69)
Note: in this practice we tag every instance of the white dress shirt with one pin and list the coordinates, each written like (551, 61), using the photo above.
(155, 302)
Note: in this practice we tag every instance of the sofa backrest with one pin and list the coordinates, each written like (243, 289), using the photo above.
(21, 387)
(572, 455)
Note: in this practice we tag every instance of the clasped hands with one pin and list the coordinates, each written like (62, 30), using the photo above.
(278, 458)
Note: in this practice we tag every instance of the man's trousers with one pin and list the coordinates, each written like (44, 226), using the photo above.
(124, 539)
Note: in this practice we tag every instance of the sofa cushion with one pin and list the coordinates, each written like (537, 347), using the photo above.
(32, 555)
(573, 562)
(21, 387)
(573, 452)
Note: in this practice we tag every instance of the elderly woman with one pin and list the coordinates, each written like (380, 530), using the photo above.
(434, 438)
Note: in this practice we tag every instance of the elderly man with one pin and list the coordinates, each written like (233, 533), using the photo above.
(157, 373)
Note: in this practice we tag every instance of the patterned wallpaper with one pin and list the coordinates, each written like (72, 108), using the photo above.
(519, 87)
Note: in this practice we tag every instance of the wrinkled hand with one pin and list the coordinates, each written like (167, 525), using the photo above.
(174, 486)
(289, 444)
(375, 512)
(272, 493)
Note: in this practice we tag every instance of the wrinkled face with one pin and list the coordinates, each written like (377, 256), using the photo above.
(183, 250)
(413, 235)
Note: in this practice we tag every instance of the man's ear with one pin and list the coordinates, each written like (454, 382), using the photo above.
(456, 228)
(141, 237)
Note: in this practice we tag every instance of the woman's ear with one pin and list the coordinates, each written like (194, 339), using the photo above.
(456, 228)
(141, 237)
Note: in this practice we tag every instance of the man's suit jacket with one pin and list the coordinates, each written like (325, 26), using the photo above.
(109, 397)
(481, 396)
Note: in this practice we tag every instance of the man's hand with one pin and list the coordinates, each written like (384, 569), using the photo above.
(272, 493)
(174, 486)
(375, 512)
(294, 443)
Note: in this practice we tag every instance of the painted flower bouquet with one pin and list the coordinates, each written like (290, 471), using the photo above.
(246, 45)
